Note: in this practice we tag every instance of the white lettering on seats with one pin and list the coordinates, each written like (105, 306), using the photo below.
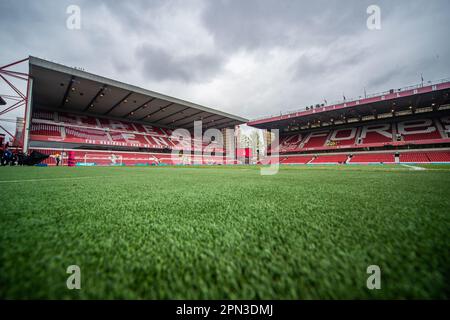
(291, 141)
(315, 135)
(149, 129)
(130, 137)
(351, 135)
(446, 122)
(117, 125)
(424, 126)
(382, 129)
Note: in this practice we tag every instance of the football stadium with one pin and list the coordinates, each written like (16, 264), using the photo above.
(361, 182)
(110, 190)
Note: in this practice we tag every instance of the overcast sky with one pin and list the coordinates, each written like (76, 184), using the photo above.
(247, 57)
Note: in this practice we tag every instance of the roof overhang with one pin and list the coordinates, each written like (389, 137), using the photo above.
(67, 89)
(392, 101)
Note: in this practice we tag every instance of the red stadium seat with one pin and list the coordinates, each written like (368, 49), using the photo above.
(373, 158)
(295, 160)
(315, 139)
(340, 158)
(86, 134)
(439, 156)
(45, 130)
(90, 130)
(83, 129)
(415, 157)
(420, 129)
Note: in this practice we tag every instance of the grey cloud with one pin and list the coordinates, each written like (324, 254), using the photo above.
(162, 65)
(253, 24)
(314, 68)
(134, 17)
(380, 80)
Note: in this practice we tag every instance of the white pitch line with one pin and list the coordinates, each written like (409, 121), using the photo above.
(413, 167)
(56, 179)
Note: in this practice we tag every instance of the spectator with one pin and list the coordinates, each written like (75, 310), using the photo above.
(57, 159)
(7, 156)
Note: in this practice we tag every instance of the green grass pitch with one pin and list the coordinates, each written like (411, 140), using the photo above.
(225, 232)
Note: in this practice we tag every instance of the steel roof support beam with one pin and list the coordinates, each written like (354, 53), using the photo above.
(4, 129)
(13, 63)
(170, 115)
(213, 121)
(118, 103)
(13, 87)
(94, 98)
(27, 117)
(13, 107)
(223, 125)
(21, 98)
(15, 74)
(152, 113)
(141, 106)
(66, 94)
(9, 97)
(210, 116)
(188, 117)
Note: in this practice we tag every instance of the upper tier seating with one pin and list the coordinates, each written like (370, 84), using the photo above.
(419, 131)
(46, 130)
(290, 143)
(82, 134)
(74, 128)
(422, 136)
(378, 133)
(343, 137)
(315, 140)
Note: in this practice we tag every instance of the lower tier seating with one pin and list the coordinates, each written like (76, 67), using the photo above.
(414, 157)
(296, 160)
(439, 156)
(340, 158)
(109, 158)
(149, 158)
(373, 158)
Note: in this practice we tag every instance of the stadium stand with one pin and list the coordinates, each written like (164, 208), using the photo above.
(94, 130)
(338, 158)
(411, 122)
(119, 158)
(375, 134)
(373, 158)
(439, 156)
(296, 160)
(290, 143)
(419, 131)
(414, 157)
(369, 157)
(314, 140)
(46, 130)
(105, 122)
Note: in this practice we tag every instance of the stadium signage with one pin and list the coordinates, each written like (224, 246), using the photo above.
(86, 164)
